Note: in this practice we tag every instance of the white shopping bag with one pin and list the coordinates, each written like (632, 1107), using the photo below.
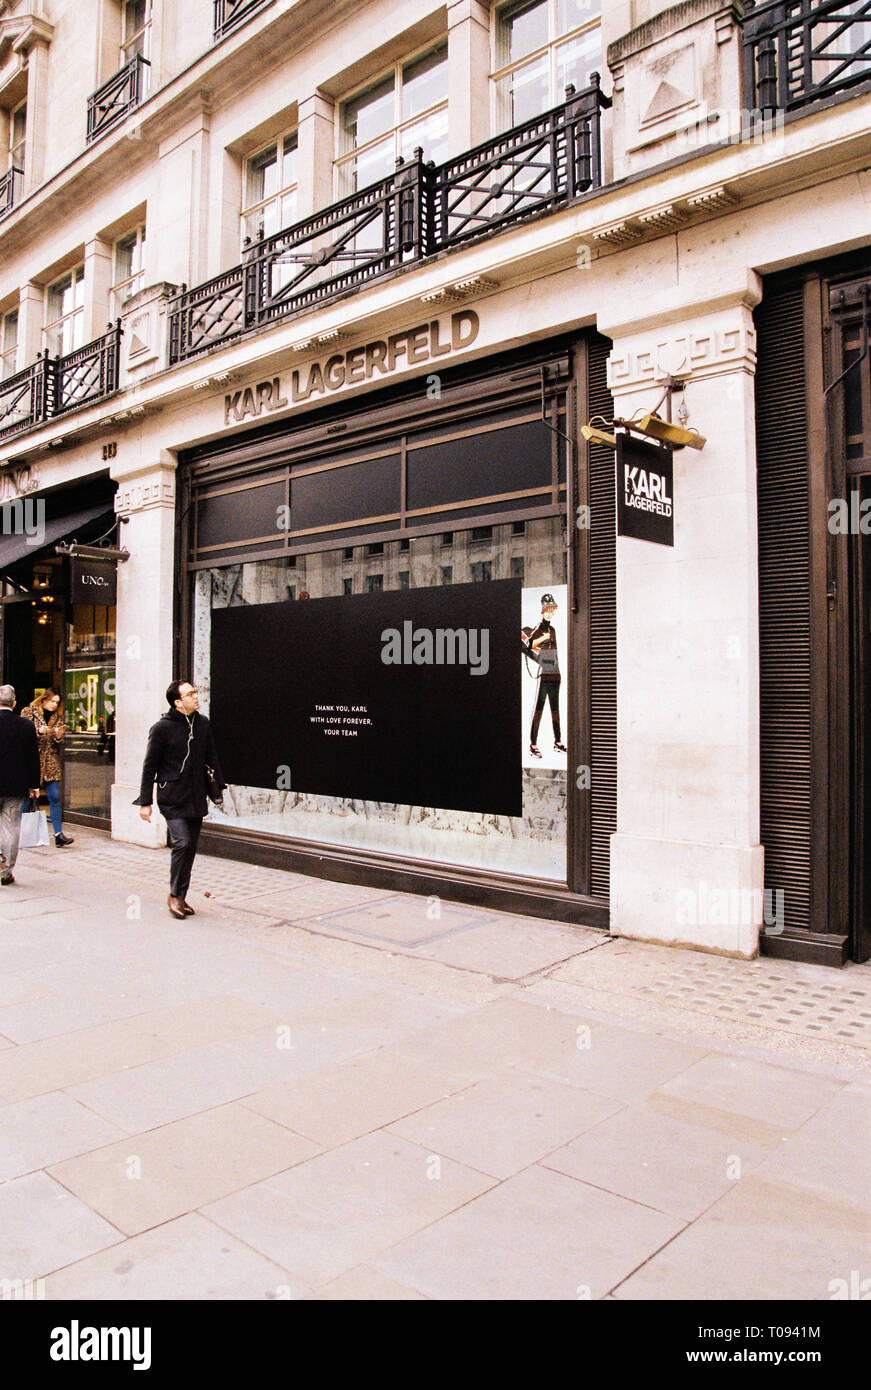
(34, 830)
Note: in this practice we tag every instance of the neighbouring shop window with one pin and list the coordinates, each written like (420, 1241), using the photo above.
(65, 313)
(405, 108)
(539, 48)
(8, 344)
(270, 184)
(128, 269)
(529, 837)
(89, 710)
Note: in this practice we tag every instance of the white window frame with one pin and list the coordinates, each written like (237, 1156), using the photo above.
(8, 355)
(503, 117)
(127, 47)
(22, 143)
(130, 284)
(74, 318)
(253, 212)
(344, 164)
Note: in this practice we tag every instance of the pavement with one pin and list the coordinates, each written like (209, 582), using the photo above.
(312, 1090)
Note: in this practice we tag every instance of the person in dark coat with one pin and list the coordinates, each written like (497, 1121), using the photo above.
(180, 745)
(19, 776)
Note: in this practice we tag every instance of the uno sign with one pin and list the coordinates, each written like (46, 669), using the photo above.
(426, 343)
(93, 581)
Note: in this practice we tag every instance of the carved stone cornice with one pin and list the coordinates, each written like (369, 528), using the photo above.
(21, 31)
(727, 345)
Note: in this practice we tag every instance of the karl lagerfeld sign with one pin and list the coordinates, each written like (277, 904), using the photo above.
(428, 342)
(645, 491)
(93, 580)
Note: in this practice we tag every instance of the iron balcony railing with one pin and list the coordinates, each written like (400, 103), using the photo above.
(9, 184)
(229, 14)
(798, 51)
(419, 210)
(112, 102)
(52, 386)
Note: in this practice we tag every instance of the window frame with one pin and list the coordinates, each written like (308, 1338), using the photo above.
(74, 317)
(503, 117)
(138, 276)
(346, 155)
(126, 50)
(21, 144)
(250, 210)
(7, 367)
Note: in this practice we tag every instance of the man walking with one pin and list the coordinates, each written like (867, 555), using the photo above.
(19, 775)
(180, 748)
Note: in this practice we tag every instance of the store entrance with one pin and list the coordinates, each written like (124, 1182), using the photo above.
(860, 742)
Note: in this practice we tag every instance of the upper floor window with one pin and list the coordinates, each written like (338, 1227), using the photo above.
(128, 269)
(18, 136)
(135, 30)
(270, 188)
(540, 47)
(405, 108)
(8, 344)
(65, 312)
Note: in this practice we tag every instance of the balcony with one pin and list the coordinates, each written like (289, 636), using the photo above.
(116, 98)
(230, 14)
(420, 210)
(800, 51)
(9, 186)
(53, 386)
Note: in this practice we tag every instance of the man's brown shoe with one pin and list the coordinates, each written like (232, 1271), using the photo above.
(176, 907)
(188, 910)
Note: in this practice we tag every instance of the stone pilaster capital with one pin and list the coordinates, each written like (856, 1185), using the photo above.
(145, 487)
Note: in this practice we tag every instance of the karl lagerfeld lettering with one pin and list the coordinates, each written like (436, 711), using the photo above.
(93, 580)
(411, 347)
(645, 491)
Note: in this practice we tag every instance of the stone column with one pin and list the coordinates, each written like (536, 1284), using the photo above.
(31, 316)
(468, 75)
(686, 862)
(315, 135)
(146, 495)
(35, 45)
(178, 249)
(98, 283)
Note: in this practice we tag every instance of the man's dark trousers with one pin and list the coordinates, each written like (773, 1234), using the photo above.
(184, 836)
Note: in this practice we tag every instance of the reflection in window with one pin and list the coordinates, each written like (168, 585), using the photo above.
(389, 119)
(65, 313)
(270, 189)
(541, 47)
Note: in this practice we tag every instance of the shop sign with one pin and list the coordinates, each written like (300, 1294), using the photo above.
(427, 343)
(93, 580)
(645, 491)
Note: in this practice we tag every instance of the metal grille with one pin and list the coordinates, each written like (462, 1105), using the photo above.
(208, 315)
(804, 49)
(25, 397)
(111, 102)
(230, 14)
(88, 373)
(784, 603)
(8, 190)
(603, 630)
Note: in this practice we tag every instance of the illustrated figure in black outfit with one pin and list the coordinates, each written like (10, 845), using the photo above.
(540, 644)
(180, 745)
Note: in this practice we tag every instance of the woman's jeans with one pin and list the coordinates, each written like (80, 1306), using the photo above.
(52, 791)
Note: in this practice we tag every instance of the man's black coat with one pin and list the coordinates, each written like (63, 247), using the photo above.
(19, 755)
(178, 749)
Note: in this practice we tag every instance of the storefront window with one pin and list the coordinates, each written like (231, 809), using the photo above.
(527, 695)
(89, 706)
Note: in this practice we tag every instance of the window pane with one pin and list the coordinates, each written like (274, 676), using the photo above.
(288, 172)
(125, 258)
(59, 299)
(262, 176)
(323, 499)
(431, 134)
(576, 60)
(512, 459)
(526, 92)
(376, 163)
(10, 331)
(525, 29)
(424, 82)
(370, 114)
(571, 14)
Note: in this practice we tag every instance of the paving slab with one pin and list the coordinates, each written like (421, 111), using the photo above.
(540, 1235)
(495, 1036)
(55, 1063)
(189, 1258)
(366, 1284)
(673, 1165)
(611, 1061)
(830, 1155)
(776, 1095)
(45, 1129)
(153, 1177)
(510, 949)
(344, 1102)
(43, 1227)
(763, 1240)
(342, 1208)
(505, 1123)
